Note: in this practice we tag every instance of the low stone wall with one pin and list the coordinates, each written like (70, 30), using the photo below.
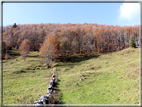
(45, 99)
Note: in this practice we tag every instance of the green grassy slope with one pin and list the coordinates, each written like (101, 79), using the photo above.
(24, 81)
(108, 79)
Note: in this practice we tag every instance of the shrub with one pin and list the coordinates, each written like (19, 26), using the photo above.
(6, 56)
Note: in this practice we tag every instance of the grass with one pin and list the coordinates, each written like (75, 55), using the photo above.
(108, 79)
(111, 78)
(24, 81)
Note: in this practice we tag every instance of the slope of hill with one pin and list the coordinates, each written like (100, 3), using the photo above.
(111, 78)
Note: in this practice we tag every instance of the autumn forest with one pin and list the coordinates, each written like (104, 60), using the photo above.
(63, 40)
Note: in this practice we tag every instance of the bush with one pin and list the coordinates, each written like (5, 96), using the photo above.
(6, 56)
(132, 43)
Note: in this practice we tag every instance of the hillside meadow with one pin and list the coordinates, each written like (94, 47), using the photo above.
(110, 78)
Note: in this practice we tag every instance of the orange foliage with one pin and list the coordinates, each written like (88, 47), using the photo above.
(24, 48)
(50, 47)
(101, 37)
(6, 56)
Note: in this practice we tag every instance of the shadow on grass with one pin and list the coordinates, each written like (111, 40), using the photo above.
(75, 59)
(19, 72)
(14, 53)
(58, 94)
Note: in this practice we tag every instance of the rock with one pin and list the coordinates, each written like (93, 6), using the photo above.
(41, 98)
(51, 80)
(49, 91)
(35, 102)
(50, 85)
(44, 99)
(48, 95)
(53, 75)
(38, 103)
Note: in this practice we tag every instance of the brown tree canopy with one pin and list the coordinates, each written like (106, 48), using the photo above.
(50, 48)
(73, 38)
(24, 48)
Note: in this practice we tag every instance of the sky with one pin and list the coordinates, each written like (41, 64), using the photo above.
(122, 14)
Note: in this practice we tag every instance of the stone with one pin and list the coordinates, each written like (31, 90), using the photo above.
(41, 98)
(51, 80)
(53, 75)
(50, 85)
(44, 99)
(38, 103)
(47, 95)
(35, 102)
(49, 91)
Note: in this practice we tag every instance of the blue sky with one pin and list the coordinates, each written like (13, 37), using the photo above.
(122, 14)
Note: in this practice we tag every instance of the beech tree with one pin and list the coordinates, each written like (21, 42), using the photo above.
(74, 46)
(64, 45)
(24, 48)
(49, 49)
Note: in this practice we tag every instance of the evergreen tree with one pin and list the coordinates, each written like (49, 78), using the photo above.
(132, 43)
(14, 26)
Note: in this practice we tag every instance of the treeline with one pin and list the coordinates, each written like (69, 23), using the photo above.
(72, 38)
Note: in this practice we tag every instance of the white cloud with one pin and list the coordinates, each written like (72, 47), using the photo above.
(129, 12)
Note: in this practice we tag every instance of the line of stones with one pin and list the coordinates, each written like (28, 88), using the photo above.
(44, 99)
